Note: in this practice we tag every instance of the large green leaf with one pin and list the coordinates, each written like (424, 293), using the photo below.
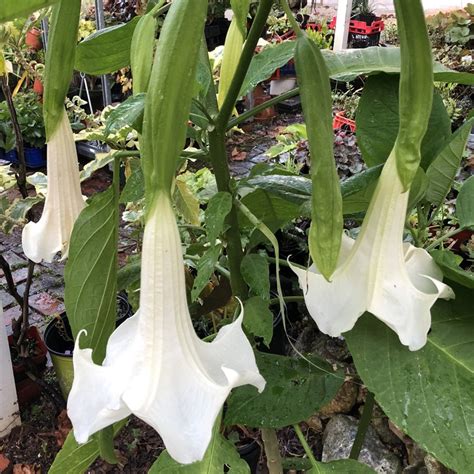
(255, 271)
(295, 390)
(258, 319)
(107, 50)
(12, 9)
(264, 64)
(219, 455)
(465, 205)
(449, 263)
(350, 63)
(91, 273)
(186, 202)
(205, 267)
(128, 114)
(443, 169)
(378, 121)
(339, 467)
(217, 210)
(76, 458)
(429, 393)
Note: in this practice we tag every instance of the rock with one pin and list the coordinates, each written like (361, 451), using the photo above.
(343, 402)
(339, 436)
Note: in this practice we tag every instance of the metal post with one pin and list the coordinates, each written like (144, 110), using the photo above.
(45, 31)
(100, 25)
(344, 9)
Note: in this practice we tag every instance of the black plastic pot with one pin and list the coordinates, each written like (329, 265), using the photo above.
(250, 453)
(60, 343)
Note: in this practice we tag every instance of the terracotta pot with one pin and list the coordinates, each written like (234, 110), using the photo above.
(38, 87)
(38, 359)
(33, 39)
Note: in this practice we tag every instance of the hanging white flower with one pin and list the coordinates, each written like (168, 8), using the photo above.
(42, 240)
(396, 282)
(156, 367)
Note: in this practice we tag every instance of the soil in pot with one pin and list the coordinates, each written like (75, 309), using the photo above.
(60, 343)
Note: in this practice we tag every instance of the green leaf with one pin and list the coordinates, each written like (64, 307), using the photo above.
(76, 458)
(343, 466)
(241, 10)
(20, 207)
(378, 121)
(128, 275)
(12, 9)
(465, 205)
(186, 203)
(255, 271)
(59, 63)
(258, 319)
(217, 210)
(220, 453)
(128, 114)
(107, 50)
(350, 63)
(265, 63)
(294, 391)
(91, 273)
(101, 160)
(449, 263)
(429, 394)
(443, 169)
(205, 267)
(134, 189)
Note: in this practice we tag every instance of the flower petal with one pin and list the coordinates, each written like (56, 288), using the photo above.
(156, 367)
(397, 285)
(44, 239)
(95, 398)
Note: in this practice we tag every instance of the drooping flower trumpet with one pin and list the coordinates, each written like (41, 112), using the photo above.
(156, 367)
(64, 202)
(396, 282)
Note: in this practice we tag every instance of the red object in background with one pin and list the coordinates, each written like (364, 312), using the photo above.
(39, 359)
(38, 87)
(340, 121)
(361, 27)
(33, 39)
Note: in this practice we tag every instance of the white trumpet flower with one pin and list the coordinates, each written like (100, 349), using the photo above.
(396, 282)
(42, 240)
(156, 367)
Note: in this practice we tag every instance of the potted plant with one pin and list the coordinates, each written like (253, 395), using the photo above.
(30, 119)
(33, 39)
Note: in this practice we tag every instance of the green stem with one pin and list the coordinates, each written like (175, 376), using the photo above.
(306, 447)
(363, 426)
(244, 63)
(235, 252)
(219, 268)
(289, 14)
(272, 451)
(252, 112)
(287, 299)
(444, 237)
(284, 263)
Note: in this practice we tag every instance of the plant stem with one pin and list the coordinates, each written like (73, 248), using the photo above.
(252, 112)
(272, 451)
(244, 62)
(235, 252)
(287, 299)
(289, 14)
(284, 263)
(5, 266)
(363, 426)
(25, 310)
(444, 237)
(21, 175)
(306, 447)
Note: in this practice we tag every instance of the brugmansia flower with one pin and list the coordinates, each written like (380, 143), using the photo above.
(396, 282)
(156, 367)
(44, 239)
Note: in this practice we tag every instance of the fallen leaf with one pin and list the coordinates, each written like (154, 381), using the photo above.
(64, 427)
(4, 463)
(238, 155)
